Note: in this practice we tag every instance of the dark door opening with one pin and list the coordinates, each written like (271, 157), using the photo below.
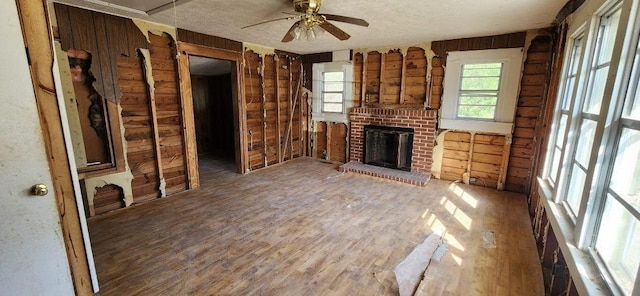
(213, 90)
(389, 147)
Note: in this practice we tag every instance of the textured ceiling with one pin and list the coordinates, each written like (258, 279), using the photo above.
(392, 23)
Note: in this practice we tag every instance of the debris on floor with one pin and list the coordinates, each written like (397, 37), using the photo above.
(489, 239)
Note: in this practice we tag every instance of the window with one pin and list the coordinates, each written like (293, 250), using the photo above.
(590, 180)
(481, 90)
(332, 92)
(587, 120)
(617, 245)
(559, 128)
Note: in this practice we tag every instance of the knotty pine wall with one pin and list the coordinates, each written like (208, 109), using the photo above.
(275, 109)
(276, 116)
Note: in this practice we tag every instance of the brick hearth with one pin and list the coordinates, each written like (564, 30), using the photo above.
(423, 122)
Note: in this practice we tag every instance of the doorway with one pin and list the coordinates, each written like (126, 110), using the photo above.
(213, 92)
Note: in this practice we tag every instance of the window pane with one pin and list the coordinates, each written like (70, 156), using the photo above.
(482, 70)
(574, 195)
(625, 179)
(480, 83)
(632, 108)
(566, 99)
(471, 99)
(585, 141)
(593, 102)
(618, 243)
(555, 164)
(333, 86)
(561, 130)
(332, 107)
(609, 27)
(604, 44)
(575, 56)
(479, 112)
(333, 76)
(332, 97)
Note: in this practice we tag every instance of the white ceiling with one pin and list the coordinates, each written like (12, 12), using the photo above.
(392, 22)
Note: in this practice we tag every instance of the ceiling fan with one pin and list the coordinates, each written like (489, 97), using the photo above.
(311, 23)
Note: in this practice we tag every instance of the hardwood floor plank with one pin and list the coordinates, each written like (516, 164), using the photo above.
(303, 228)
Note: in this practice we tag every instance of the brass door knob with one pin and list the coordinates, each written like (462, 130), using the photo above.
(39, 190)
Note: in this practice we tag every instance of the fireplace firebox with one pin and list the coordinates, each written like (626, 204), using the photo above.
(388, 146)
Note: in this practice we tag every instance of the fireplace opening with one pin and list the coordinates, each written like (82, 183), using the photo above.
(388, 146)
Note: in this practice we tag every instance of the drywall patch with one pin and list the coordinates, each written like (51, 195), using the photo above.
(260, 50)
(438, 151)
(122, 180)
(145, 27)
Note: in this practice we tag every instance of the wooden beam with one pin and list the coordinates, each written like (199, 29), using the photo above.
(276, 70)
(381, 79)
(403, 81)
(363, 93)
(218, 53)
(264, 115)
(329, 139)
(37, 37)
(289, 133)
(504, 164)
(146, 55)
(189, 126)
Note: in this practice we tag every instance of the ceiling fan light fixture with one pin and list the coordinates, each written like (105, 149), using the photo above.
(317, 31)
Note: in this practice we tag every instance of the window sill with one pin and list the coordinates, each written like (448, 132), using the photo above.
(583, 270)
(477, 126)
(330, 117)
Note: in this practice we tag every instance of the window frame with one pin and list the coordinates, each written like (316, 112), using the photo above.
(318, 113)
(511, 59)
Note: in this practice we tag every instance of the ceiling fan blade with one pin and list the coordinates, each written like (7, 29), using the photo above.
(345, 19)
(335, 31)
(289, 35)
(278, 19)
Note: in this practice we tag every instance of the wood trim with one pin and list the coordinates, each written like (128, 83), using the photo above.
(37, 36)
(210, 52)
(363, 92)
(265, 161)
(154, 118)
(189, 126)
(502, 178)
(278, 125)
(403, 80)
(239, 105)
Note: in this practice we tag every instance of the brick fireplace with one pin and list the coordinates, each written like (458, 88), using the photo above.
(423, 124)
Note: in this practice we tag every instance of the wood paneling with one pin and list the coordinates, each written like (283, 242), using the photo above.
(275, 119)
(330, 142)
(169, 112)
(391, 80)
(307, 64)
(208, 40)
(138, 125)
(440, 48)
(530, 109)
(105, 37)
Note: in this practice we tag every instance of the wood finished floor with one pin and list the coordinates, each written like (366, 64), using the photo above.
(303, 228)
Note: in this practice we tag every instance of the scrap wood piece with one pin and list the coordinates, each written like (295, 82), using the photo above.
(408, 274)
